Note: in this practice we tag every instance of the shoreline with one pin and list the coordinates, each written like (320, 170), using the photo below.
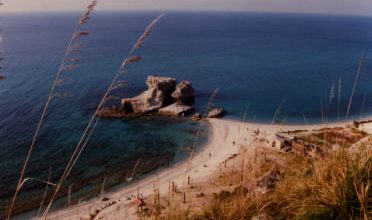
(224, 141)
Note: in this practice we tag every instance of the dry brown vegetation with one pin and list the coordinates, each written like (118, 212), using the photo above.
(337, 186)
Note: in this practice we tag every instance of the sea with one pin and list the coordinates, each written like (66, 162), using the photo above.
(268, 68)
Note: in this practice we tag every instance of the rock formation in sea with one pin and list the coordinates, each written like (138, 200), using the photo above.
(184, 93)
(163, 96)
(155, 97)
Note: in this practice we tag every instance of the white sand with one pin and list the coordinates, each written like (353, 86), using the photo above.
(220, 146)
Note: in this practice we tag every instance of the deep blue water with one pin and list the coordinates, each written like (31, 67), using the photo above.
(256, 60)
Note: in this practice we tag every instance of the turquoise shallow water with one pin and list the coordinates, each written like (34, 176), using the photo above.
(256, 60)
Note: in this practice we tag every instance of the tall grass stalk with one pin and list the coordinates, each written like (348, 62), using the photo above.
(94, 119)
(339, 98)
(114, 85)
(68, 63)
(363, 106)
(197, 135)
(277, 111)
(304, 116)
(322, 111)
(245, 116)
(130, 178)
(45, 194)
(332, 92)
(103, 187)
(361, 62)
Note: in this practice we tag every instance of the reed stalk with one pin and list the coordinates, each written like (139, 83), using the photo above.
(363, 106)
(322, 111)
(65, 66)
(130, 178)
(103, 187)
(361, 62)
(95, 119)
(332, 92)
(339, 98)
(245, 116)
(45, 194)
(304, 116)
(69, 192)
(277, 111)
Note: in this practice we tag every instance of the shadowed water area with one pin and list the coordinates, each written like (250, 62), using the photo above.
(256, 60)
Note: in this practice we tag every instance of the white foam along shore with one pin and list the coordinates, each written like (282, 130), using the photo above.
(226, 138)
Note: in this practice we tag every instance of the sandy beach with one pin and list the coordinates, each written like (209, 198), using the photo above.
(226, 139)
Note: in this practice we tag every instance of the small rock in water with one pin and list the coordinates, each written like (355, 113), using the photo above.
(216, 113)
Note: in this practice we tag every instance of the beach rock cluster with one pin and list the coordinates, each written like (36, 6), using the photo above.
(163, 96)
(216, 113)
(155, 97)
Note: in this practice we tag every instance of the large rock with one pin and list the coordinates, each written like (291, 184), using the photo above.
(163, 96)
(165, 84)
(176, 109)
(157, 96)
(184, 93)
(216, 113)
(149, 101)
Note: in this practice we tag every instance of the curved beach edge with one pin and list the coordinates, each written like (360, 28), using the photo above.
(225, 139)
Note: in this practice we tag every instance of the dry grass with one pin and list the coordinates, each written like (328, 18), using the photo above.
(329, 190)
(335, 187)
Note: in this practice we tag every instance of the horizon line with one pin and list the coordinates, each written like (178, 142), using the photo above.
(189, 11)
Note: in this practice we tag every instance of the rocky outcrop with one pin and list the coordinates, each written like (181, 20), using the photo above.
(216, 113)
(176, 109)
(155, 97)
(164, 84)
(184, 93)
(162, 96)
(149, 101)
